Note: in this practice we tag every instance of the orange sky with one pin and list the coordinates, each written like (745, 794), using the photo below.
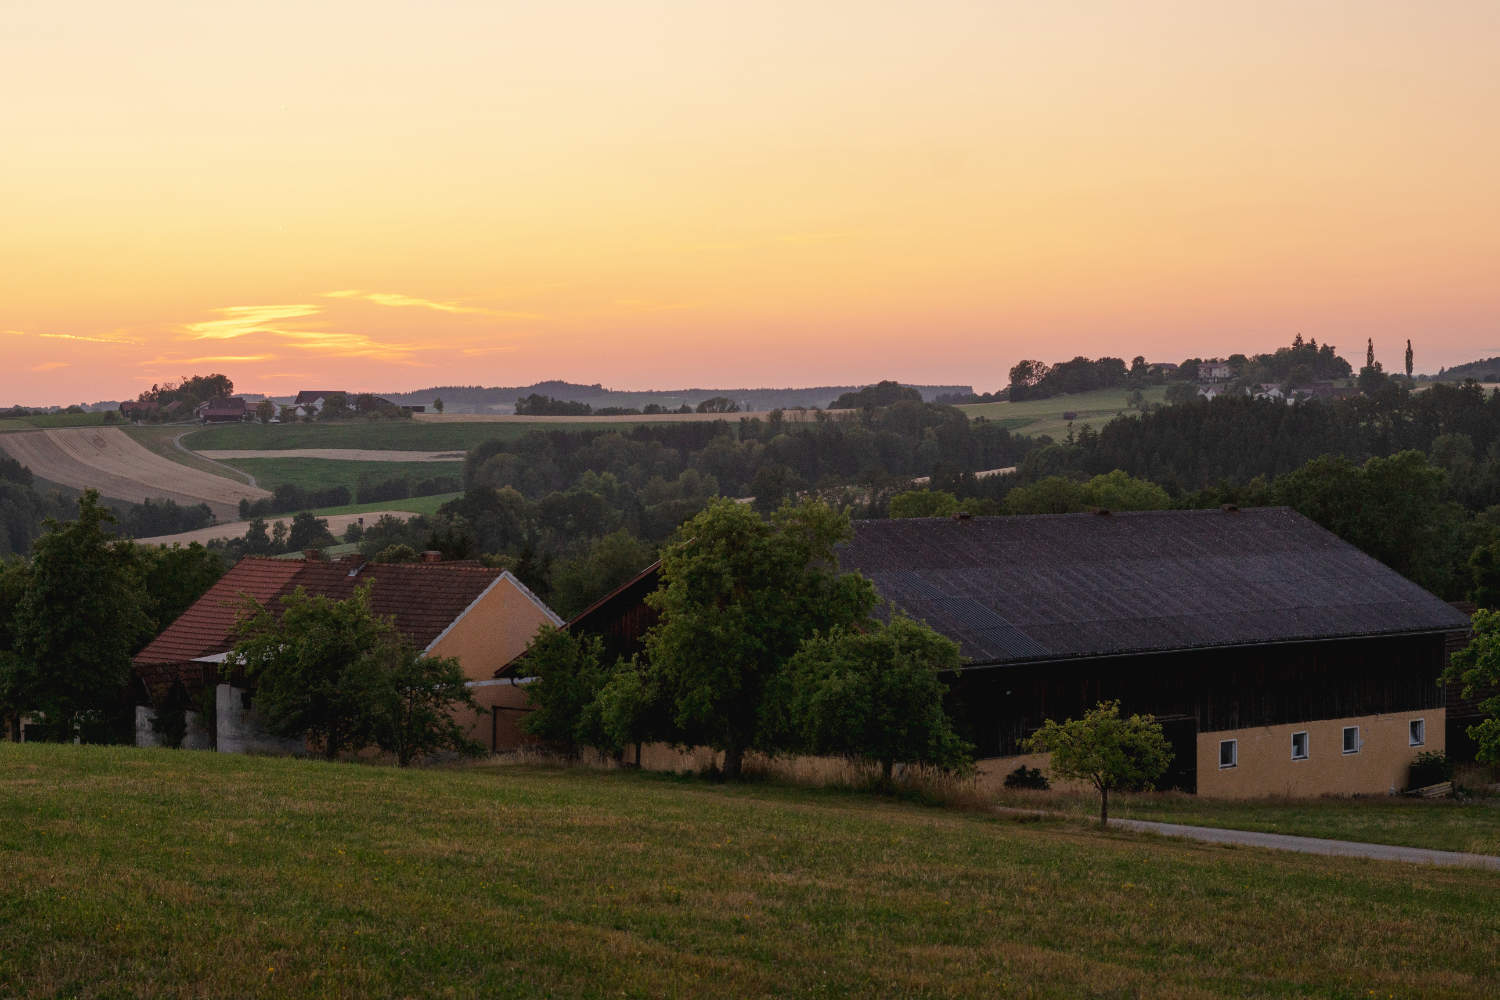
(386, 195)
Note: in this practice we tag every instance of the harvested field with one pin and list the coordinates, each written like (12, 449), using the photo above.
(339, 454)
(106, 459)
(337, 523)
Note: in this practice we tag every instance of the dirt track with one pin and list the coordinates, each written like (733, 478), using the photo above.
(106, 459)
(338, 454)
(236, 529)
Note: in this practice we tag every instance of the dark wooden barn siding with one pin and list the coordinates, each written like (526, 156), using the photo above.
(1215, 689)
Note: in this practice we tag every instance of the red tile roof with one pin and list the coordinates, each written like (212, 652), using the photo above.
(424, 598)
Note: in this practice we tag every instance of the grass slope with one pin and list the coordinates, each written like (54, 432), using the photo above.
(384, 435)
(1472, 826)
(161, 438)
(322, 473)
(417, 505)
(45, 420)
(178, 874)
(1045, 416)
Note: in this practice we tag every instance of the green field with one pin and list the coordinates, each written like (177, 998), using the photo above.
(1471, 825)
(136, 873)
(417, 505)
(323, 473)
(161, 438)
(45, 420)
(382, 435)
(1045, 416)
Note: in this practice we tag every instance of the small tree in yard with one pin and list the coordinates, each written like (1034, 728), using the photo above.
(437, 404)
(1477, 668)
(568, 672)
(1106, 749)
(344, 676)
(412, 709)
(876, 695)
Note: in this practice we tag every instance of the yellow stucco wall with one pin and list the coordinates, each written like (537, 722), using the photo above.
(1266, 766)
(494, 631)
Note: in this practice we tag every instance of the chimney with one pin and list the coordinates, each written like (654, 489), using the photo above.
(1230, 508)
(312, 555)
(1101, 511)
(432, 556)
(963, 515)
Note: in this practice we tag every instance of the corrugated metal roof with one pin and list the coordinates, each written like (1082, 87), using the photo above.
(1070, 585)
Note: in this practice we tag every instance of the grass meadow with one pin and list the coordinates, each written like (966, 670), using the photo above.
(1471, 825)
(380, 435)
(1045, 416)
(136, 873)
(42, 421)
(323, 473)
(417, 505)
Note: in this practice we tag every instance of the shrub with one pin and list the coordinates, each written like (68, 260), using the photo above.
(1027, 777)
(1429, 768)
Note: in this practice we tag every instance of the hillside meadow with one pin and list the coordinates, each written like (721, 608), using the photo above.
(390, 435)
(1045, 416)
(134, 873)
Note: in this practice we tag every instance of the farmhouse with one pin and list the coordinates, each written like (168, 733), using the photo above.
(1280, 659)
(484, 617)
(225, 409)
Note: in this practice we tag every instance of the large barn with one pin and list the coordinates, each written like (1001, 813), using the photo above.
(1281, 659)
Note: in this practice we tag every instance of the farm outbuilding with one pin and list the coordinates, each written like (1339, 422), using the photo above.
(482, 616)
(1280, 659)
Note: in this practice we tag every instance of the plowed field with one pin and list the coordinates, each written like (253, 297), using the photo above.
(106, 459)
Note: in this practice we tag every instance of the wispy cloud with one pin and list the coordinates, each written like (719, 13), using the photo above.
(89, 340)
(355, 345)
(397, 300)
(239, 321)
(207, 359)
(49, 366)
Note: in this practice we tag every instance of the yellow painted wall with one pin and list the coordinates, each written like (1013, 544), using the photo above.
(1266, 766)
(494, 632)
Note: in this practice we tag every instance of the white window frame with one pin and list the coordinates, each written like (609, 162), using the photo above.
(1306, 745)
(1416, 732)
(1358, 742)
(1234, 754)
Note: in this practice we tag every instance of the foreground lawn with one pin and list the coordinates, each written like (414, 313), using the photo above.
(1472, 825)
(322, 473)
(178, 874)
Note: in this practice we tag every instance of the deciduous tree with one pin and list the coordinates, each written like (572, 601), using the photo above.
(738, 596)
(1476, 668)
(1105, 749)
(875, 695)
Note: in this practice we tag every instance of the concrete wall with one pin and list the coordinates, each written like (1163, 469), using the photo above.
(1265, 766)
(196, 737)
(240, 729)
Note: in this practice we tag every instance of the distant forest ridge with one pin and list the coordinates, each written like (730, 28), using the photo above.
(1483, 370)
(502, 399)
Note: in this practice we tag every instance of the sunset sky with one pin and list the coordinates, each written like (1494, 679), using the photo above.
(387, 195)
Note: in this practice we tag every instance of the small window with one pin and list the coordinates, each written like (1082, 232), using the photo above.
(1229, 753)
(1351, 739)
(1418, 732)
(1299, 745)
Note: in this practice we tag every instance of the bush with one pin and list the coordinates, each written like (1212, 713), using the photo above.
(1429, 768)
(1027, 777)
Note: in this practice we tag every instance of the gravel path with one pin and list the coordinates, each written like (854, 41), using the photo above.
(1313, 845)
